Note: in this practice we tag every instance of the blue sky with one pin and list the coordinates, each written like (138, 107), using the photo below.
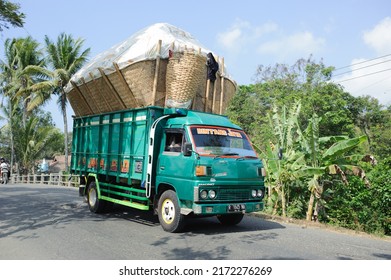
(246, 33)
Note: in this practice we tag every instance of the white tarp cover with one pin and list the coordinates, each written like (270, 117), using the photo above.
(143, 45)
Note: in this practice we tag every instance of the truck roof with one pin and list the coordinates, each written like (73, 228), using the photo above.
(201, 118)
(181, 116)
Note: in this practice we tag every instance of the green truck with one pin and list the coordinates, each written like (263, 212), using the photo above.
(177, 162)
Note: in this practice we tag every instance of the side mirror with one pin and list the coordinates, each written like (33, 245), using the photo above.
(187, 149)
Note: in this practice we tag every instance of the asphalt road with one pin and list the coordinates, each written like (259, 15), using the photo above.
(40, 222)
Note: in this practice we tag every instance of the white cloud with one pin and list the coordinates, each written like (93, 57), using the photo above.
(267, 28)
(372, 76)
(230, 38)
(298, 44)
(246, 45)
(379, 38)
(244, 35)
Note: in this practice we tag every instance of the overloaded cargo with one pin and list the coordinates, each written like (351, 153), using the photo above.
(160, 65)
(149, 133)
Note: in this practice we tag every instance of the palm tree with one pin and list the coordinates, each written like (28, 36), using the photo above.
(10, 14)
(31, 141)
(8, 114)
(65, 58)
(19, 54)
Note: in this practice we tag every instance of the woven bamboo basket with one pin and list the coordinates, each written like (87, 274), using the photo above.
(181, 80)
(218, 98)
(186, 73)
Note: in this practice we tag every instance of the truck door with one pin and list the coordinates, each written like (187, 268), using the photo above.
(173, 167)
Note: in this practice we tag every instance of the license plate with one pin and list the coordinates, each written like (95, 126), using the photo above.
(236, 208)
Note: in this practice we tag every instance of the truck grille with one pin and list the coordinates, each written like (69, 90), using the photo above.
(236, 194)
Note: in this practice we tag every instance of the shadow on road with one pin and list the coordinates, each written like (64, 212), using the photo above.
(195, 225)
(383, 256)
(27, 209)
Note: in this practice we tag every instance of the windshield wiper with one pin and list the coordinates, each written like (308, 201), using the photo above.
(226, 154)
(247, 157)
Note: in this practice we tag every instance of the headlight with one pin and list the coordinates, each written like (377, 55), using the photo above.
(204, 194)
(212, 194)
(257, 193)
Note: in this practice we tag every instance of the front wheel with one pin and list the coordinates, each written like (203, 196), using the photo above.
(169, 212)
(230, 219)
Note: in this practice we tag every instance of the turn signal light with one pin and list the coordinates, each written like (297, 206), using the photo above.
(200, 170)
(262, 171)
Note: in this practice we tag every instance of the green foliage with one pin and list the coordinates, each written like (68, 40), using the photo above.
(381, 194)
(249, 109)
(29, 81)
(9, 14)
(341, 147)
(281, 171)
(363, 208)
(380, 135)
(325, 157)
(297, 198)
(65, 57)
(36, 140)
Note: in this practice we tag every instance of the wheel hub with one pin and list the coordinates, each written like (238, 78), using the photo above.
(92, 197)
(168, 211)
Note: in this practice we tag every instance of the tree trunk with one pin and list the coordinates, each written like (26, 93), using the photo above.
(283, 201)
(311, 205)
(64, 115)
(269, 198)
(275, 207)
(11, 135)
(24, 116)
(316, 212)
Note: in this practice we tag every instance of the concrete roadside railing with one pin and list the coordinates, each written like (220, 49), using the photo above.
(56, 179)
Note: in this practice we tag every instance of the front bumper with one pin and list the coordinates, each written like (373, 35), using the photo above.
(227, 208)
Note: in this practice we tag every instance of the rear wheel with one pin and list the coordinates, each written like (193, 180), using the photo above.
(169, 212)
(95, 204)
(230, 219)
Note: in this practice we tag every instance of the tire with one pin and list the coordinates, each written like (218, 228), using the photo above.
(95, 204)
(230, 219)
(169, 212)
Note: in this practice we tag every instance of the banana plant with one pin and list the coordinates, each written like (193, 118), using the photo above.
(334, 160)
(281, 169)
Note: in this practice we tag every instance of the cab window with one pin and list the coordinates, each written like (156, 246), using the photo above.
(174, 141)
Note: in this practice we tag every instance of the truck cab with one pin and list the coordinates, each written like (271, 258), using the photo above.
(210, 167)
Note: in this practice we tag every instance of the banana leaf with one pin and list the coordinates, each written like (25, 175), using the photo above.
(341, 147)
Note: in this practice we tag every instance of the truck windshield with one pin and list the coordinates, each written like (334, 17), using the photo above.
(218, 141)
